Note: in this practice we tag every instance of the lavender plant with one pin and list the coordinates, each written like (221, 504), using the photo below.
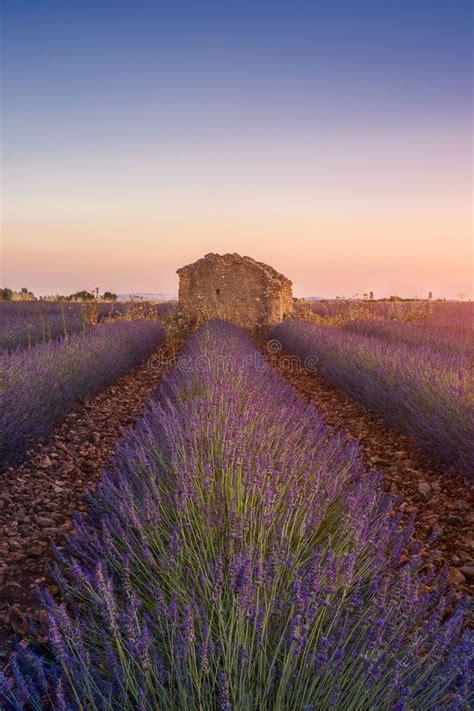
(439, 337)
(423, 393)
(235, 557)
(38, 386)
(24, 324)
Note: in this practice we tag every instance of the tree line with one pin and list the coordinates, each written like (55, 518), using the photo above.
(7, 294)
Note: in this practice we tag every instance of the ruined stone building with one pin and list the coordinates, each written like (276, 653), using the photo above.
(236, 288)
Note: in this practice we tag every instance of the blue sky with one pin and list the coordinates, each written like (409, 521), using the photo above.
(331, 139)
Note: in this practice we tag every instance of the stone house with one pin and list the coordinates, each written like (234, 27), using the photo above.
(236, 288)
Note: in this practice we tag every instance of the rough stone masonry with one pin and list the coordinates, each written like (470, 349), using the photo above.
(239, 289)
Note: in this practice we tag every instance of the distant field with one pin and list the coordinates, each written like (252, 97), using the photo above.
(458, 313)
(25, 323)
(441, 325)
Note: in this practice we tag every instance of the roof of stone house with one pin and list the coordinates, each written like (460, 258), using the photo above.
(230, 259)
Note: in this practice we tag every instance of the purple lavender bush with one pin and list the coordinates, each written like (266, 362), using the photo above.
(424, 393)
(38, 386)
(443, 337)
(236, 557)
(24, 324)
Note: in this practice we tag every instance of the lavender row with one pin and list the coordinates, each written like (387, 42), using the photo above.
(420, 392)
(442, 337)
(38, 386)
(25, 323)
(235, 557)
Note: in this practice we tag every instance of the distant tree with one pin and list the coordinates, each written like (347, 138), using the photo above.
(430, 295)
(6, 294)
(109, 296)
(26, 293)
(395, 298)
(82, 296)
(371, 295)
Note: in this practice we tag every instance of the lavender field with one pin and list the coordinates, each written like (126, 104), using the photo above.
(24, 324)
(442, 337)
(40, 384)
(236, 556)
(236, 553)
(236, 356)
(417, 375)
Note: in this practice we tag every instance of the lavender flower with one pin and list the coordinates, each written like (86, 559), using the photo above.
(420, 391)
(39, 386)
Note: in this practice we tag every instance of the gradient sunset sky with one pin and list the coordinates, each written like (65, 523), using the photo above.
(329, 139)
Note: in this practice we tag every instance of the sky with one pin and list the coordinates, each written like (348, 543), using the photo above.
(330, 139)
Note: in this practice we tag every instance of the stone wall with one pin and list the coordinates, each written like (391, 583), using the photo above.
(236, 288)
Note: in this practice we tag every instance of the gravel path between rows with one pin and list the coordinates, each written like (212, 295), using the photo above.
(38, 496)
(441, 497)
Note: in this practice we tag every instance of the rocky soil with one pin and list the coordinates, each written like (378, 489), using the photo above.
(440, 496)
(38, 497)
